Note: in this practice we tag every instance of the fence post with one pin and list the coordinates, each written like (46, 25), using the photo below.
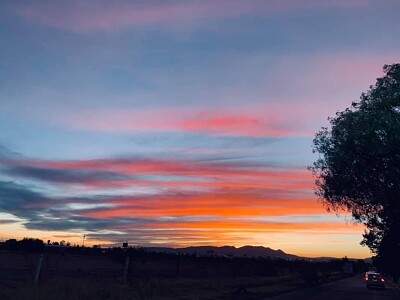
(126, 266)
(178, 264)
(37, 271)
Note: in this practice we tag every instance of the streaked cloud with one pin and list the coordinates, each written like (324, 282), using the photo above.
(89, 16)
(63, 176)
(168, 218)
(192, 195)
(171, 172)
(262, 123)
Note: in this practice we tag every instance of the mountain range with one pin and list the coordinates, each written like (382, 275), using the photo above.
(230, 251)
(245, 251)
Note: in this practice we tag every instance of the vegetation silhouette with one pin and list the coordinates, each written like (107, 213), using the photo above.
(359, 167)
(26, 244)
(151, 264)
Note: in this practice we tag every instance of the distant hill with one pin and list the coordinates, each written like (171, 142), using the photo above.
(245, 251)
(231, 251)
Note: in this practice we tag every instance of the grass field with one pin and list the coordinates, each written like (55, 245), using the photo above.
(71, 276)
(163, 289)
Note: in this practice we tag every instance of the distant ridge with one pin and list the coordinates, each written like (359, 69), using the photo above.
(231, 251)
(245, 251)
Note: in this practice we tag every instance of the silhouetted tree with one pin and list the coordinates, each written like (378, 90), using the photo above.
(11, 244)
(26, 244)
(359, 166)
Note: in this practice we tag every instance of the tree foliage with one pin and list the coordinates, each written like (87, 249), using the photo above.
(26, 244)
(359, 165)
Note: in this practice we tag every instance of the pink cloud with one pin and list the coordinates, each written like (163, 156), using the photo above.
(325, 84)
(223, 123)
(87, 16)
(264, 121)
(340, 73)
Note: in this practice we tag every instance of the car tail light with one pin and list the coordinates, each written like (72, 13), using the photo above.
(383, 280)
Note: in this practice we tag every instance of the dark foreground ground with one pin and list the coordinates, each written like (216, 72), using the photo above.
(87, 274)
(347, 289)
(184, 289)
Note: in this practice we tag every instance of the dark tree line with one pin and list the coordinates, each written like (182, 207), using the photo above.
(147, 264)
(26, 244)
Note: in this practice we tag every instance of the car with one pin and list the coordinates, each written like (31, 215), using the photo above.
(374, 279)
(369, 272)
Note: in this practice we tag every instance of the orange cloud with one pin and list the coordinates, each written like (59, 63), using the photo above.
(172, 167)
(210, 211)
(215, 200)
(247, 226)
(220, 204)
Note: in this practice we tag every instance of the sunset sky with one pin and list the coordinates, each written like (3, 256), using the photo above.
(180, 123)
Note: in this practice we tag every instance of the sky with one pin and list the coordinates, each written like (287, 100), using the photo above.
(181, 123)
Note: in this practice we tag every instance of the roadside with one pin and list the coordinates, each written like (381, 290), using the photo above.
(221, 288)
(390, 282)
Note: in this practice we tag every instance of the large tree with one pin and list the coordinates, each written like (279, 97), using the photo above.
(358, 169)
